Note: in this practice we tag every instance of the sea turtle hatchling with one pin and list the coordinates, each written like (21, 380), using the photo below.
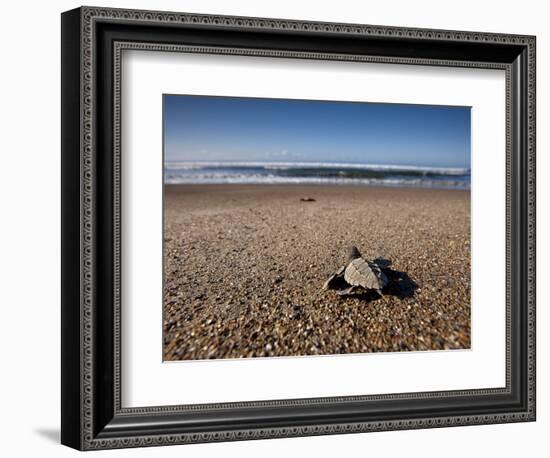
(358, 274)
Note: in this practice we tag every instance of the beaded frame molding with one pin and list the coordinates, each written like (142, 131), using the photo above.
(93, 40)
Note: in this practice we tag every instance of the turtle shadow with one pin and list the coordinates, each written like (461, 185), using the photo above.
(365, 296)
(399, 283)
(382, 263)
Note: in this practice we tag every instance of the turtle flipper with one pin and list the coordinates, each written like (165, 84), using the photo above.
(349, 291)
(335, 280)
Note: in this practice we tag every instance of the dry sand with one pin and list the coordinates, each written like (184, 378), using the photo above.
(244, 267)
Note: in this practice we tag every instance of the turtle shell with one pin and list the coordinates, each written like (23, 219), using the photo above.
(361, 272)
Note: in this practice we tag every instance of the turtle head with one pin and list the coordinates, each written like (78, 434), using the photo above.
(353, 253)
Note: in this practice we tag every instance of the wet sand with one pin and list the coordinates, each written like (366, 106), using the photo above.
(244, 266)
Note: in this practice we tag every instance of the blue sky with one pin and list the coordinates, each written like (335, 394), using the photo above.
(203, 128)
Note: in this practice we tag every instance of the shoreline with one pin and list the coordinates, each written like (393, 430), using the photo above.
(329, 185)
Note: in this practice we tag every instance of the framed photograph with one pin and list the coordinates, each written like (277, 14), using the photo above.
(276, 228)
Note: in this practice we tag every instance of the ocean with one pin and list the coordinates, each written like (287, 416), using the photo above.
(316, 173)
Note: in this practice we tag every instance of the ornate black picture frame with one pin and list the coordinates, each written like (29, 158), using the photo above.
(92, 42)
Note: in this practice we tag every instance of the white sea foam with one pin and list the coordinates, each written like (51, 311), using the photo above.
(193, 165)
(315, 173)
(270, 179)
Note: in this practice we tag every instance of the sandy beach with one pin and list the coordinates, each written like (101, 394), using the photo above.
(244, 266)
